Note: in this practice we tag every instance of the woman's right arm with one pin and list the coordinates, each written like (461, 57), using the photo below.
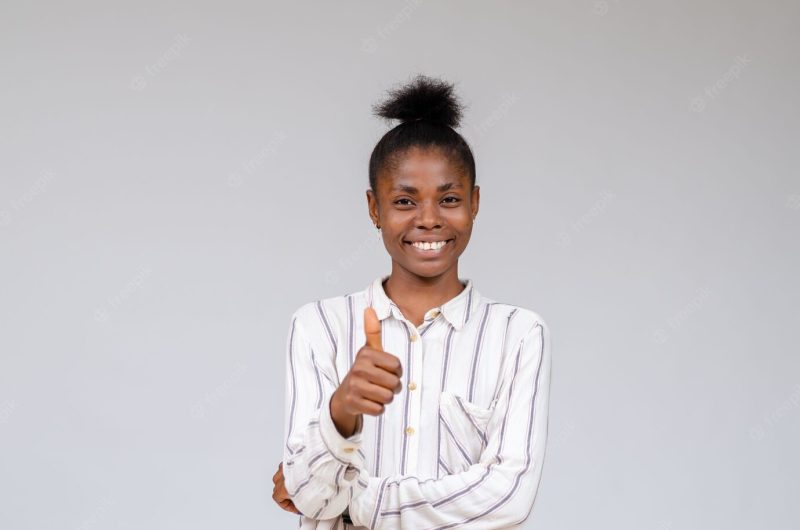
(320, 466)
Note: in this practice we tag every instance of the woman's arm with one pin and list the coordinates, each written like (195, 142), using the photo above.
(319, 464)
(500, 489)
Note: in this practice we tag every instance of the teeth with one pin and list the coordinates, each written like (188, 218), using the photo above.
(429, 246)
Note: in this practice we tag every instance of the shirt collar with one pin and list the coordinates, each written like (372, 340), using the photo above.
(457, 311)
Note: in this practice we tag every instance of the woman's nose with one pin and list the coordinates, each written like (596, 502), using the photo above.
(429, 216)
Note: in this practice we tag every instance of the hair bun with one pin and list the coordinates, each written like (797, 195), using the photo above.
(424, 98)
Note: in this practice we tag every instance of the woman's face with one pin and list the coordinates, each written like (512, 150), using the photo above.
(424, 199)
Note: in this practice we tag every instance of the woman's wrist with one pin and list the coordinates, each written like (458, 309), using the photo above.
(345, 423)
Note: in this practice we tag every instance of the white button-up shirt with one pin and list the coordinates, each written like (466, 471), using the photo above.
(461, 446)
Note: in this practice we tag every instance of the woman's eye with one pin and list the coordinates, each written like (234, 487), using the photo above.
(403, 202)
(453, 201)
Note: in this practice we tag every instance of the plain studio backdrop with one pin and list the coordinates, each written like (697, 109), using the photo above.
(177, 178)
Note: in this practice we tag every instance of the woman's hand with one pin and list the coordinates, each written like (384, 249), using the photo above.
(371, 383)
(279, 494)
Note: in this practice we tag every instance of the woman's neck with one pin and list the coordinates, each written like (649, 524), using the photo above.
(415, 295)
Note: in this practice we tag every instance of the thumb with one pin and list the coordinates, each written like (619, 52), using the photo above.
(372, 329)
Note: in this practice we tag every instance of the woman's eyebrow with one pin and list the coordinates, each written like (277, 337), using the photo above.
(412, 189)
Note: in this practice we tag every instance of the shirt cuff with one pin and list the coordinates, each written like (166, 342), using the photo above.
(365, 505)
(344, 450)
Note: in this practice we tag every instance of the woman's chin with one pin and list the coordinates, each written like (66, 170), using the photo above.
(428, 269)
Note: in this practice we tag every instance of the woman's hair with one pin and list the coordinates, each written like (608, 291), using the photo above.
(429, 112)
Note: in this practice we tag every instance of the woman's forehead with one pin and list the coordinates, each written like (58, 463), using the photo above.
(428, 169)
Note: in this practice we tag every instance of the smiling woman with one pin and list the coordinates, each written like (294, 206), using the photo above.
(430, 410)
(422, 192)
(424, 208)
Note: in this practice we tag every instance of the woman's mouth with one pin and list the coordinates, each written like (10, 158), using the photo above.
(429, 247)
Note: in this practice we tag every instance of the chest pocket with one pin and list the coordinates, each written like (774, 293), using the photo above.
(462, 435)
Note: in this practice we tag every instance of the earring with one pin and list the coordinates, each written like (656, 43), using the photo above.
(380, 237)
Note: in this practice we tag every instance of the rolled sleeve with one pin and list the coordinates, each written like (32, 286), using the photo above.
(345, 450)
(320, 466)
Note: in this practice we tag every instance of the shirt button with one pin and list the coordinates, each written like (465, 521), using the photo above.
(412, 385)
(410, 430)
(413, 337)
(348, 449)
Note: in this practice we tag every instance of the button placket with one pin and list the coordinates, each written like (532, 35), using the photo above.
(415, 402)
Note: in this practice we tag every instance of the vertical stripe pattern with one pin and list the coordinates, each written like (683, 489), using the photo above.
(474, 402)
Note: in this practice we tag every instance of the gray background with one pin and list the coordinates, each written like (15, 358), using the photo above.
(176, 179)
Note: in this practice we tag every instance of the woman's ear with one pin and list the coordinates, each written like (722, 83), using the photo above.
(475, 200)
(372, 206)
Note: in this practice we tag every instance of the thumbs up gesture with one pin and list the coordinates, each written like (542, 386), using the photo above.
(371, 383)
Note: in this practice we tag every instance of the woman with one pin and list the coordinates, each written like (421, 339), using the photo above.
(416, 402)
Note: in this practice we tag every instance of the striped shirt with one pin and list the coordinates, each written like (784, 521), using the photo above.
(461, 446)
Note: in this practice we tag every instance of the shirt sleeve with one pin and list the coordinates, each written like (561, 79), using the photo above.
(319, 464)
(497, 491)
